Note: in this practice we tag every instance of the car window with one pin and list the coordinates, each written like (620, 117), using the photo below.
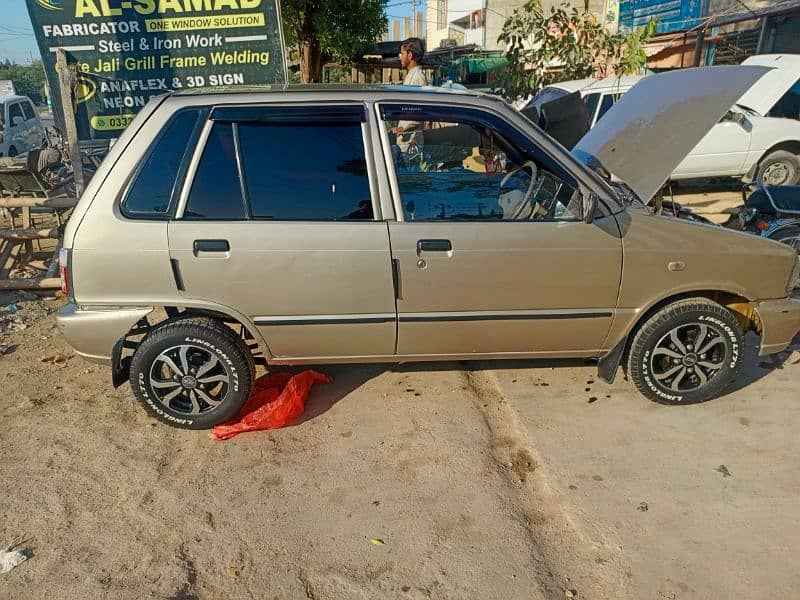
(462, 169)
(606, 103)
(217, 190)
(591, 100)
(15, 111)
(155, 184)
(788, 107)
(323, 178)
(28, 110)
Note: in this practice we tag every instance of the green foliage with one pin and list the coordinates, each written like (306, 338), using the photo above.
(28, 79)
(338, 29)
(562, 45)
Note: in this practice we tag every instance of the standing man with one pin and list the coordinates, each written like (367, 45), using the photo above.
(411, 52)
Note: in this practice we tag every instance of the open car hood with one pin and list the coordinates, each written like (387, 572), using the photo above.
(771, 88)
(652, 128)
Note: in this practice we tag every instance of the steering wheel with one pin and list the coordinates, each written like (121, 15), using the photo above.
(507, 202)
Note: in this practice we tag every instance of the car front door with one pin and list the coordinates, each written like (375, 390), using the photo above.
(279, 224)
(721, 152)
(491, 255)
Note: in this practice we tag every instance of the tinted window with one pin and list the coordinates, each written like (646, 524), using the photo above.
(591, 104)
(606, 103)
(216, 190)
(15, 111)
(312, 171)
(460, 170)
(788, 107)
(28, 110)
(152, 189)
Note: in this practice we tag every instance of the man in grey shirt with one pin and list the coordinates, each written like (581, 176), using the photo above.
(411, 52)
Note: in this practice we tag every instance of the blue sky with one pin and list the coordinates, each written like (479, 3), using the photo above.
(16, 34)
(18, 44)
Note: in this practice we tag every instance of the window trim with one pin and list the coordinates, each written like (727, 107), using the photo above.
(392, 172)
(316, 112)
(202, 112)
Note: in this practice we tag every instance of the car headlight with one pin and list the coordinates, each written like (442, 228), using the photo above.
(794, 278)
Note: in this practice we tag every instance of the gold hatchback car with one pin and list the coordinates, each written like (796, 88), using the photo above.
(291, 226)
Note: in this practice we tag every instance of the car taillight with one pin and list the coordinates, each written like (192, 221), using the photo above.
(63, 268)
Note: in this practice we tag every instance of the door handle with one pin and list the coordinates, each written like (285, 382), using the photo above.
(434, 246)
(218, 246)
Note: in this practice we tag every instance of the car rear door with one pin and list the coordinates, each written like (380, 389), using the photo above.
(492, 260)
(280, 223)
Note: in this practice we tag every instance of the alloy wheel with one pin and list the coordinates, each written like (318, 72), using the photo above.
(189, 379)
(688, 357)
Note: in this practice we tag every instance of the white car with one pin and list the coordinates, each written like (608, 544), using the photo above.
(21, 128)
(758, 139)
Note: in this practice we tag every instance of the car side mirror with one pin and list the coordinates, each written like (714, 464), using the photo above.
(589, 208)
(17, 121)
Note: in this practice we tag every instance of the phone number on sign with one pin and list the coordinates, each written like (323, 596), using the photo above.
(111, 123)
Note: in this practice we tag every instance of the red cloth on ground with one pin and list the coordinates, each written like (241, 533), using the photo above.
(276, 399)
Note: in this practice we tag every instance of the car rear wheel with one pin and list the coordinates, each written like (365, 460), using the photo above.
(12, 152)
(779, 168)
(192, 373)
(685, 353)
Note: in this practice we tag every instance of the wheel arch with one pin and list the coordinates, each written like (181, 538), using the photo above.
(792, 146)
(163, 314)
(741, 307)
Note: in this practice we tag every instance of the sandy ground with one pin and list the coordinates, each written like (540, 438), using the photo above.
(486, 480)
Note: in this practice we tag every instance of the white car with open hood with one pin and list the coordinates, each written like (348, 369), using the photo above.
(758, 138)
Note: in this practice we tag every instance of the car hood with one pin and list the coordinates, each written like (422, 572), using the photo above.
(652, 128)
(771, 88)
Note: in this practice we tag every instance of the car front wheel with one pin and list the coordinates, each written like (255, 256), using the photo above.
(687, 352)
(192, 373)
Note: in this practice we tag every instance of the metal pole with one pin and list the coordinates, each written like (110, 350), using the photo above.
(698, 46)
(66, 77)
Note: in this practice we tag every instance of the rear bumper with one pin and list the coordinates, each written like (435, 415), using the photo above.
(92, 333)
(780, 322)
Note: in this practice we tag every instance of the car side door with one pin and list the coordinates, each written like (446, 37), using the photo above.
(492, 255)
(34, 134)
(722, 151)
(280, 221)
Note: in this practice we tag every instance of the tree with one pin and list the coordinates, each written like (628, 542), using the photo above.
(28, 79)
(565, 44)
(330, 29)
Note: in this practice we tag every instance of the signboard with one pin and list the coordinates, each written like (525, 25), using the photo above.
(127, 51)
(670, 15)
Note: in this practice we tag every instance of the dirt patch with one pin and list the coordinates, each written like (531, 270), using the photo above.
(523, 464)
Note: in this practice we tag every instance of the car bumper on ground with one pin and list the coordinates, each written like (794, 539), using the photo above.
(92, 333)
(780, 322)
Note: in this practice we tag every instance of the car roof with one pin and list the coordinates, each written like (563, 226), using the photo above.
(598, 85)
(13, 98)
(327, 89)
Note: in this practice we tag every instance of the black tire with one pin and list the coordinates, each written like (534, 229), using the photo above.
(779, 168)
(789, 235)
(670, 371)
(12, 152)
(207, 342)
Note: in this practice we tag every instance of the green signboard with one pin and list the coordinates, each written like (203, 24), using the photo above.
(127, 51)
